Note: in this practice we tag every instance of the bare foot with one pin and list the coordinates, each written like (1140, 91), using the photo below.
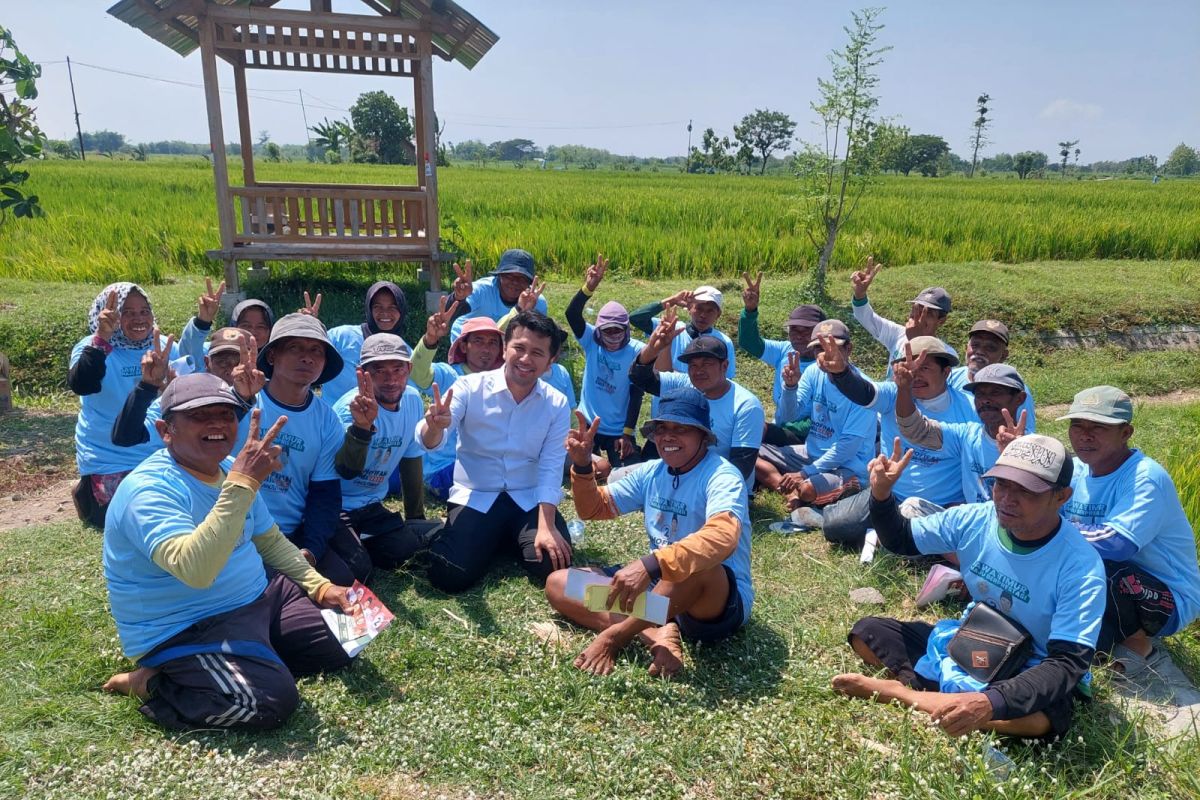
(666, 649)
(600, 656)
(131, 683)
(852, 684)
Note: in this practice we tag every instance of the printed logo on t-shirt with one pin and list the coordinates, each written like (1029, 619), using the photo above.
(995, 577)
(668, 505)
(131, 371)
(289, 441)
(1077, 511)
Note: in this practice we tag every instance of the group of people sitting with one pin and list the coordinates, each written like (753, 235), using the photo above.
(241, 498)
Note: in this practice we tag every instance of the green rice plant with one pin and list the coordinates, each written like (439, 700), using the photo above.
(1184, 466)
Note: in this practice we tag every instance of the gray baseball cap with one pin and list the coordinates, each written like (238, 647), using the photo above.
(932, 345)
(384, 347)
(830, 327)
(998, 375)
(197, 390)
(1038, 463)
(302, 326)
(934, 297)
(993, 326)
(1106, 404)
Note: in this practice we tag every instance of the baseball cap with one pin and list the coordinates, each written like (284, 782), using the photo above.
(1038, 463)
(1106, 404)
(384, 347)
(197, 390)
(993, 326)
(473, 325)
(709, 346)
(689, 408)
(515, 260)
(709, 294)
(227, 340)
(805, 316)
(302, 326)
(830, 327)
(999, 375)
(934, 297)
(932, 345)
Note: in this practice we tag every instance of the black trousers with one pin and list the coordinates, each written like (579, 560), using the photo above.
(463, 552)
(608, 446)
(345, 560)
(1137, 601)
(387, 537)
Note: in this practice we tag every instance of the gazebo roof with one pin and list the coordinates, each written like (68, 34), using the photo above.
(459, 36)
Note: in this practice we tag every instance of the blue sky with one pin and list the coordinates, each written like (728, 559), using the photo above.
(627, 75)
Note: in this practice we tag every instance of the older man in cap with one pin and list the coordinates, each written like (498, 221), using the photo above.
(188, 542)
(494, 295)
(1026, 565)
(987, 343)
(1128, 509)
(927, 313)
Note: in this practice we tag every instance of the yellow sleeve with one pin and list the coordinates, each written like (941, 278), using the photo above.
(592, 501)
(278, 552)
(197, 558)
(507, 318)
(714, 542)
(421, 374)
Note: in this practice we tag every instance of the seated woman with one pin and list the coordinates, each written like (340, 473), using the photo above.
(104, 367)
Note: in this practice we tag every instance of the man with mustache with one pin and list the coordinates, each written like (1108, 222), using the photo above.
(987, 343)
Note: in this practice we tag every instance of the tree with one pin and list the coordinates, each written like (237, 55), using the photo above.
(980, 137)
(838, 173)
(103, 141)
(917, 151)
(1183, 160)
(271, 152)
(764, 132)
(20, 136)
(1065, 151)
(384, 127)
(331, 137)
(1028, 162)
(264, 136)
(1001, 162)
(713, 154)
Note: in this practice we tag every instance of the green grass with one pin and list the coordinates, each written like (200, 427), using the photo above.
(108, 219)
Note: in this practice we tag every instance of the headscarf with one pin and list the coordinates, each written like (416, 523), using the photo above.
(369, 327)
(119, 340)
(245, 305)
(612, 313)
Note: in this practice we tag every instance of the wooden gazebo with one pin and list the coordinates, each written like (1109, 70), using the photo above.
(269, 221)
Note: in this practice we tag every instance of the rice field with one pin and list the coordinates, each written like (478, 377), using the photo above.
(147, 220)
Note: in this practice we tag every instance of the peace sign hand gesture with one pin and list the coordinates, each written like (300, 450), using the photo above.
(885, 470)
(463, 281)
(527, 301)
(438, 324)
(595, 273)
(156, 362)
(364, 408)
(861, 279)
(208, 303)
(437, 416)
(108, 319)
(791, 370)
(1010, 430)
(830, 357)
(259, 456)
(310, 307)
(581, 441)
(903, 371)
(247, 378)
(661, 337)
(750, 295)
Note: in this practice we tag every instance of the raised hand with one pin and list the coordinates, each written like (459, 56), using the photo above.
(247, 379)
(527, 301)
(310, 307)
(595, 273)
(437, 416)
(750, 295)
(830, 357)
(582, 440)
(661, 337)
(885, 470)
(625, 446)
(903, 371)
(464, 278)
(108, 319)
(438, 324)
(259, 456)
(861, 279)
(1011, 430)
(681, 299)
(156, 362)
(364, 409)
(209, 302)
(791, 370)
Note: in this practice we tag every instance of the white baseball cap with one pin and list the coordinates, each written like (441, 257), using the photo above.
(1038, 463)
(709, 294)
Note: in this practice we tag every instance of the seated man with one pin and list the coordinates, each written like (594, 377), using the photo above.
(495, 295)
(1024, 560)
(217, 638)
(1128, 509)
(833, 459)
(987, 344)
(508, 473)
(927, 314)
(695, 512)
(381, 417)
(704, 306)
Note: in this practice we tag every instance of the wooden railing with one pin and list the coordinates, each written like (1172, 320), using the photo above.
(322, 213)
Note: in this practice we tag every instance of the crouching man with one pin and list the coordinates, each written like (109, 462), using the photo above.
(216, 606)
(1019, 557)
(697, 519)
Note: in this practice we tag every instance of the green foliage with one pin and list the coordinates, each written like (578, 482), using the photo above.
(20, 137)
(919, 151)
(1183, 160)
(384, 127)
(763, 132)
(1184, 466)
(1028, 162)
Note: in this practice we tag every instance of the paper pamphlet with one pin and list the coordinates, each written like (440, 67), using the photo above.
(941, 582)
(579, 579)
(356, 630)
(649, 606)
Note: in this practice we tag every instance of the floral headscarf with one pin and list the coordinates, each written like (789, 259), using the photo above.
(118, 340)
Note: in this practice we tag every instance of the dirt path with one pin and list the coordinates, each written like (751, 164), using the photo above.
(51, 504)
(1173, 399)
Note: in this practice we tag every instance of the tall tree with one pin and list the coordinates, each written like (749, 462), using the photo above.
(1029, 162)
(331, 137)
(764, 132)
(1064, 150)
(837, 173)
(384, 126)
(979, 139)
(919, 151)
(1183, 160)
(20, 136)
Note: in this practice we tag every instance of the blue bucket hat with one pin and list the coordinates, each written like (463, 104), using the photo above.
(515, 260)
(685, 409)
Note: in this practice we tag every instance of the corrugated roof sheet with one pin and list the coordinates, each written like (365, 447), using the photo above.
(467, 41)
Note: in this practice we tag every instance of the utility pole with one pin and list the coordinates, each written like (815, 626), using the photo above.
(688, 167)
(304, 113)
(78, 130)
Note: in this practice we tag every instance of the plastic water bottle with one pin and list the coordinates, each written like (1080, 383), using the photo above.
(870, 542)
(575, 528)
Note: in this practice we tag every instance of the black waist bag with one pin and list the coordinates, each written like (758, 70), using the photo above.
(989, 645)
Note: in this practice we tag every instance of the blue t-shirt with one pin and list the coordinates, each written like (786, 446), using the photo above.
(958, 379)
(932, 475)
(394, 439)
(95, 453)
(559, 377)
(775, 354)
(1056, 591)
(976, 453)
(485, 302)
(736, 417)
(1140, 503)
(842, 433)
(444, 376)
(156, 502)
(677, 505)
(348, 341)
(683, 339)
(605, 390)
(310, 439)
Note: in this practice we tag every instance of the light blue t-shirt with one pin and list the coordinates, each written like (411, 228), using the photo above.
(395, 438)
(842, 433)
(976, 453)
(310, 439)
(677, 505)
(958, 379)
(156, 502)
(193, 342)
(95, 453)
(775, 354)
(348, 341)
(559, 377)
(444, 376)
(683, 339)
(1056, 591)
(605, 390)
(1140, 503)
(736, 417)
(485, 302)
(933, 475)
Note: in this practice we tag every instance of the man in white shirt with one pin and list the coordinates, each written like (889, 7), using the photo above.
(927, 313)
(508, 474)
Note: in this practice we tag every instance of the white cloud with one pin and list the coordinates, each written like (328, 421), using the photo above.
(1071, 111)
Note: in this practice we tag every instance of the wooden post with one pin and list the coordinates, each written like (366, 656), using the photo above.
(216, 135)
(427, 165)
(243, 110)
